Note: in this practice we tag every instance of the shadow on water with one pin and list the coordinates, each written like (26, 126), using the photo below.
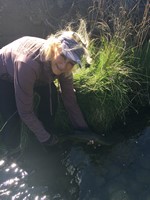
(74, 171)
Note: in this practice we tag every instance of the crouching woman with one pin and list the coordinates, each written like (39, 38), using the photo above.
(29, 65)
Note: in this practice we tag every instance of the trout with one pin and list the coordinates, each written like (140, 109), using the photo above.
(85, 137)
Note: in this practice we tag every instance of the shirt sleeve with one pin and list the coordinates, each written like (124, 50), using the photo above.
(24, 79)
(70, 102)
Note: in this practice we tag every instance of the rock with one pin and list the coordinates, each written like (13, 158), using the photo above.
(114, 186)
(120, 195)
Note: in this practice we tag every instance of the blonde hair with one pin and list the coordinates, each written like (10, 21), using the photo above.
(80, 36)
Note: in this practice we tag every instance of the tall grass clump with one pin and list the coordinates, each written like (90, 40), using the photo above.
(142, 62)
(114, 83)
(103, 89)
(141, 44)
(112, 86)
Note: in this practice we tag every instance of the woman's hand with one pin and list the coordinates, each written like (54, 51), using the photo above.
(53, 140)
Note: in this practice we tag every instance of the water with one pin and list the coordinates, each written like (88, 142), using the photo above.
(80, 172)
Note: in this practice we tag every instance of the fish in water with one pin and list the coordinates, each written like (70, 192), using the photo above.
(86, 136)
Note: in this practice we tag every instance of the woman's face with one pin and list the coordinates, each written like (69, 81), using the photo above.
(60, 64)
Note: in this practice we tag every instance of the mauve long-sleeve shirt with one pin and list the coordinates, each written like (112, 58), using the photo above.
(22, 63)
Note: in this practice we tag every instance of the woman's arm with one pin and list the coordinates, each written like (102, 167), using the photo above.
(24, 79)
(70, 102)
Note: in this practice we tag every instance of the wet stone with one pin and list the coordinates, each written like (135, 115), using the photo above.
(114, 186)
(125, 153)
(120, 195)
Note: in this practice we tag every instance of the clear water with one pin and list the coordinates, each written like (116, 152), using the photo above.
(80, 172)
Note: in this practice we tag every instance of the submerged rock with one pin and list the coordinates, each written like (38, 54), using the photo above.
(120, 195)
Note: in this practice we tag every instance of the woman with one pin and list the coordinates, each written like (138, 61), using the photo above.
(31, 64)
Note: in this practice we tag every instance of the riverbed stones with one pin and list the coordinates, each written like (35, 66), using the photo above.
(120, 195)
(113, 186)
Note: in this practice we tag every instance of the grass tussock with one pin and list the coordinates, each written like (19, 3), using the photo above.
(103, 89)
(116, 80)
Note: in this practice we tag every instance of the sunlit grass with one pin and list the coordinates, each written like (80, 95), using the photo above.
(118, 78)
(103, 88)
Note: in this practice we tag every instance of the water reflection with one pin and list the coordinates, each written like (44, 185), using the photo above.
(80, 172)
(13, 183)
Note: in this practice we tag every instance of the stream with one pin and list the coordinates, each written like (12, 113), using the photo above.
(74, 171)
